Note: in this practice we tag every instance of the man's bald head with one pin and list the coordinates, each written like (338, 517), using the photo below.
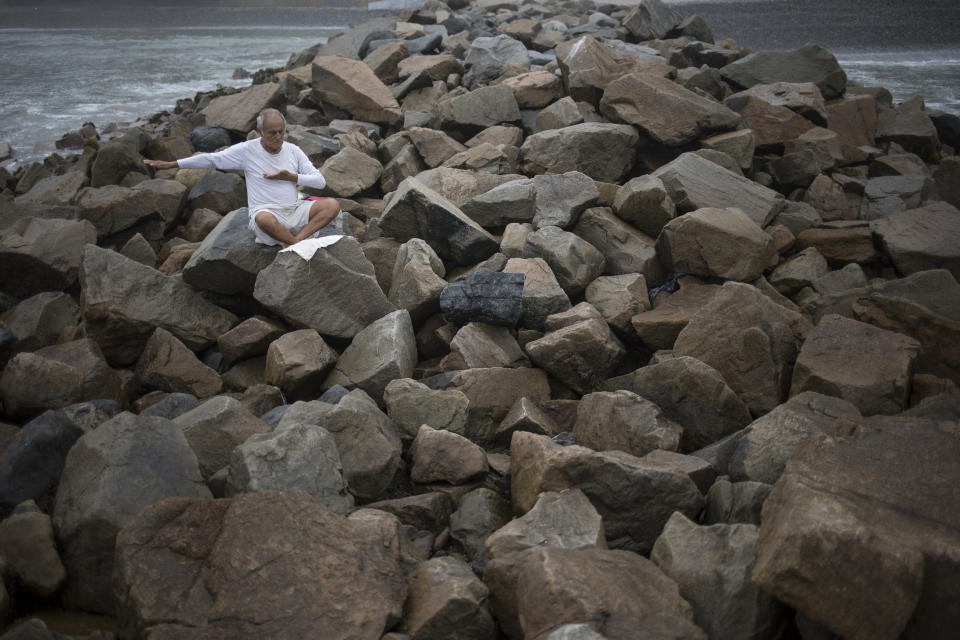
(268, 114)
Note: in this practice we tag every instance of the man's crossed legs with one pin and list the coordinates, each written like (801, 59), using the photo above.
(321, 213)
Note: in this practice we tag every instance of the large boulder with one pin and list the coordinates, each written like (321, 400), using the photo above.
(446, 600)
(742, 334)
(167, 365)
(30, 551)
(487, 58)
(238, 112)
(298, 362)
(218, 191)
(664, 110)
(659, 327)
(867, 505)
(651, 20)
(625, 249)
(491, 297)
(909, 125)
(810, 63)
(384, 350)
(411, 404)
(350, 172)
(574, 261)
(603, 151)
(869, 366)
(693, 182)
(459, 185)
(722, 243)
(417, 280)
(340, 304)
(542, 295)
(111, 473)
(215, 428)
(417, 211)
(42, 255)
(589, 66)
(476, 110)
(478, 344)
(624, 421)
(352, 86)
(123, 302)
(257, 554)
(922, 239)
(643, 203)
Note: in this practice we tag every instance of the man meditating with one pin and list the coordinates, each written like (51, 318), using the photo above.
(273, 169)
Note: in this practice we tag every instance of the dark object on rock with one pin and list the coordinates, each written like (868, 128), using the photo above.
(172, 406)
(333, 394)
(379, 34)
(484, 296)
(208, 139)
(948, 127)
(240, 74)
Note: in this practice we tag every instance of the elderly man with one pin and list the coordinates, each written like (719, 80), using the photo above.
(273, 169)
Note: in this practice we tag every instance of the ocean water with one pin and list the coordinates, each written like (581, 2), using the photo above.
(62, 67)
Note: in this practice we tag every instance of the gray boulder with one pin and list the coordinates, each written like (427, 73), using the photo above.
(484, 296)
(446, 600)
(487, 58)
(651, 20)
(476, 110)
(603, 151)
(410, 404)
(42, 255)
(624, 421)
(437, 455)
(810, 63)
(542, 294)
(30, 551)
(574, 261)
(41, 319)
(417, 280)
(298, 362)
(504, 204)
(625, 249)
(215, 428)
(218, 191)
(921, 239)
(643, 202)
(560, 199)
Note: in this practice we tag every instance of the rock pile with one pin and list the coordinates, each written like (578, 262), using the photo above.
(631, 335)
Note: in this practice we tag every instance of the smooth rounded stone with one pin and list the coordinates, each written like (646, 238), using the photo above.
(581, 355)
(810, 63)
(618, 298)
(691, 393)
(562, 519)
(411, 404)
(634, 497)
(735, 502)
(417, 211)
(249, 339)
(215, 428)
(624, 421)
(480, 513)
(801, 270)
(511, 202)
(298, 457)
(693, 182)
(206, 138)
(664, 110)
(644, 203)
(723, 243)
(110, 474)
(487, 58)
(352, 86)
(298, 363)
(603, 151)
(492, 392)
(344, 301)
(560, 199)
(470, 112)
(762, 451)
(172, 405)
(542, 295)
(573, 260)
(42, 255)
(542, 589)
(383, 351)
(367, 440)
(39, 320)
(535, 89)
(290, 546)
(123, 302)
(445, 600)
(921, 239)
(879, 520)
(30, 550)
(71, 372)
(166, 364)
(742, 334)
(712, 568)
(425, 511)
(484, 296)
(443, 456)
(866, 365)
(417, 280)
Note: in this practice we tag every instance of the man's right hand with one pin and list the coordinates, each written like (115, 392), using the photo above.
(161, 164)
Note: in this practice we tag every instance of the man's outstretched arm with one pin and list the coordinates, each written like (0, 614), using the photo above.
(161, 164)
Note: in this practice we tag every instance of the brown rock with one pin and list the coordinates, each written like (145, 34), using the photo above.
(352, 86)
(443, 456)
(249, 339)
(238, 112)
(623, 421)
(298, 362)
(535, 89)
(166, 364)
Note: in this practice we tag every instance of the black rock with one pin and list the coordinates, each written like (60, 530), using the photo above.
(948, 127)
(379, 34)
(8, 345)
(424, 44)
(484, 296)
(207, 138)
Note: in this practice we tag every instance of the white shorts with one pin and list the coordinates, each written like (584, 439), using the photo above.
(292, 216)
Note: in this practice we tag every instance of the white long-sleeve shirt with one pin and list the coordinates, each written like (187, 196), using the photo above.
(255, 161)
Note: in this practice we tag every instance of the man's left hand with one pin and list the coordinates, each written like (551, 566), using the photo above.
(281, 175)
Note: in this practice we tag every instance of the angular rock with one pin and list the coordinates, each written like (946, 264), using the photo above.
(588, 67)
(742, 334)
(435, 147)
(484, 296)
(384, 350)
(297, 458)
(735, 502)
(663, 110)
(56, 190)
(723, 243)
(443, 456)
(693, 182)
(773, 126)
(574, 261)
(643, 202)
(840, 245)
(30, 551)
(42, 255)
(712, 568)
(624, 421)
(411, 404)
(238, 112)
(866, 365)
(542, 294)
(123, 302)
(480, 513)
(166, 364)
(511, 202)
(671, 312)
(352, 86)
(739, 145)
(536, 89)
(350, 172)
(445, 600)
(340, 304)
(487, 58)
(921, 239)
(473, 111)
(603, 151)
(809, 63)
(111, 473)
(909, 125)
(651, 20)
(428, 512)
(618, 299)
(560, 199)
(690, 393)
(290, 546)
(803, 98)
(249, 339)
(479, 345)
(215, 428)
(417, 280)
(298, 363)
(41, 319)
(581, 354)
(417, 211)
(459, 186)
(436, 67)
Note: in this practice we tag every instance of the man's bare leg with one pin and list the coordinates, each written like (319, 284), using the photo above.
(322, 212)
(272, 227)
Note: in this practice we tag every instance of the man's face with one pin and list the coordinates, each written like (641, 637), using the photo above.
(272, 135)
